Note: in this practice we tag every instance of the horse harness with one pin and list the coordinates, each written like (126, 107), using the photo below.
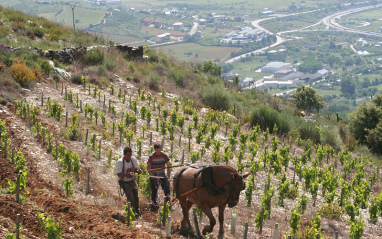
(206, 172)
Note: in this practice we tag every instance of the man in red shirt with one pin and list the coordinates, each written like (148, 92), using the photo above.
(156, 165)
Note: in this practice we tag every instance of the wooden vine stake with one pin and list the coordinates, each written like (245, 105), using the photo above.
(18, 189)
(196, 224)
(164, 211)
(128, 213)
(56, 150)
(86, 136)
(99, 150)
(246, 230)
(87, 182)
(261, 219)
(276, 232)
(66, 119)
(17, 226)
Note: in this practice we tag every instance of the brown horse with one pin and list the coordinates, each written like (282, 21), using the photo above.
(209, 187)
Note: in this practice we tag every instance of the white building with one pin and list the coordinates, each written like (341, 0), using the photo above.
(275, 66)
(178, 26)
(162, 37)
(247, 82)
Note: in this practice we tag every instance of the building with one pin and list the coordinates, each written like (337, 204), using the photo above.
(271, 55)
(162, 37)
(178, 26)
(275, 66)
(281, 73)
(247, 82)
(326, 86)
(111, 2)
(158, 24)
(198, 34)
(361, 42)
(147, 21)
(229, 76)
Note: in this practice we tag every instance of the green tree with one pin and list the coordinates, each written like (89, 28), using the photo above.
(306, 98)
(364, 120)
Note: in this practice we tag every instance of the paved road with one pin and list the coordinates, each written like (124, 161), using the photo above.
(328, 21)
(194, 28)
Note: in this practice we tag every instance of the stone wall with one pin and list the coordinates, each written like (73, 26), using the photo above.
(69, 55)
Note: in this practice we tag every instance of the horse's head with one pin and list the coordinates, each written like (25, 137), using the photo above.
(236, 185)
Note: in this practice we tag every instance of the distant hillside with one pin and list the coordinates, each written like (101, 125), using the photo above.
(308, 173)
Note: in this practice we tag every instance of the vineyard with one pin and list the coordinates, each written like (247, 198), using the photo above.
(60, 144)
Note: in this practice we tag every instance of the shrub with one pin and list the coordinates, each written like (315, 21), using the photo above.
(266, 117)
(45, 67)
(76, 79)
(217, 98)
(309, 130)
(6, 57)
(4, 31)
(110, 64)
(153, 81)
(101, 70)
(38, 32)
(94, 56)
(22, 73)
(177, 76)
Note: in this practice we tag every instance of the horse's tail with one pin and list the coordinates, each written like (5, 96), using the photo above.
(176, 181)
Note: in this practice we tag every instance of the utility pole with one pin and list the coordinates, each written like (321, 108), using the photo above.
(72, 5)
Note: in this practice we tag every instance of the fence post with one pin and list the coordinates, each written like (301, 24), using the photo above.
(246, 230)
(104, 100)
(151, 138)
(180, 139)
(162, 142)
(261, 219)
(42, 98)
(172, 147)
(17, 226)
(336, 234)
(318, 236)
(87, 182)
(276, 233)
(196, 224)
(18, 189)
(81, 106)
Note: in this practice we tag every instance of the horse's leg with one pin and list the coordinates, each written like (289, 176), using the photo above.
(208, 212)
(185, 224)
(221, 219)
(189, 205)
